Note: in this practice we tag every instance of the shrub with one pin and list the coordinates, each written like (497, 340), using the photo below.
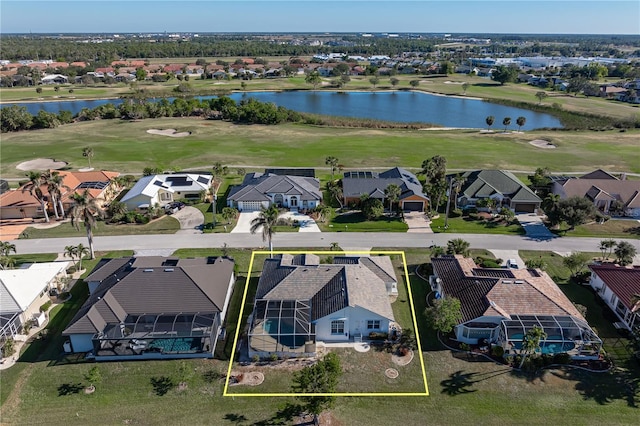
(378, 336)
(497, 351)
(273, 357)
(45, 306)
(490, 264)
(455, 213)
(71, 270)
(255, 358)
(562, 358)
(9, 348)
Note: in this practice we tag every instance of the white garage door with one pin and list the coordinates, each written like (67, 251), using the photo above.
(251, 206)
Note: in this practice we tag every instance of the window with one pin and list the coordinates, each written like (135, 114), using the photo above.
(337, 327)
(165, 196)
(613, 299)
(373, 325)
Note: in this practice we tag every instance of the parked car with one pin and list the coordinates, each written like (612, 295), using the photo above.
(512, 263)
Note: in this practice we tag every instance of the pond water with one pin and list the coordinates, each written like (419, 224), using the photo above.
(400, 106)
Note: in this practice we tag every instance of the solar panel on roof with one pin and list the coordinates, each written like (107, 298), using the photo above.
(202, 179)
(93, 185)
(158, 183)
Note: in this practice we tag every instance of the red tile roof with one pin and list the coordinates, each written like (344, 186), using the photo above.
(623, 281)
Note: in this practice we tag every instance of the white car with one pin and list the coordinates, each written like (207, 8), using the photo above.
(511, 263)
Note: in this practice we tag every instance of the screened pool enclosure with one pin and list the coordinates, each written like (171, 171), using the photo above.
(282, 326)
(563, 334)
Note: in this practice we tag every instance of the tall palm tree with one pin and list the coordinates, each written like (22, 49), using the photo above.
(392, 192)
(266, 221)
(489, 120)
(458, 246)
(332, 162)
(85, 209)
(606, 247)
(88, 152)
(505, 122)
(520, 122)
(55, 184)
(34, 187)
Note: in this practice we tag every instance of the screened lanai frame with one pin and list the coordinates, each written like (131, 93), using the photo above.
(281, 326)
(155, 326)
(11, 326)
(559, 330)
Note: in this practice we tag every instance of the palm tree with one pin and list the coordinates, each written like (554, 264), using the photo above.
(55, 183)
(505, 122)
(88, 152)
(7, 262)
(85, 209)
(332, 162)
(71, 251)
(520, 122)
(458, 246)
(323, 212)
(635, 302)
(392, 192)
(6, 248)
(266, 221)
(35, 189)
(489, 120)
(336, 192)
(606, 247)
(531, 342)
(81, 252)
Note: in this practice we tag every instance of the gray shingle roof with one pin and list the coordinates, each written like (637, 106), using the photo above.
(146, 286)
(355, 184)
(256, 185)
(329, 287)
(484, 183)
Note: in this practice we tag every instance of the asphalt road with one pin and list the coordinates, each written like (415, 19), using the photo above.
(346, 240)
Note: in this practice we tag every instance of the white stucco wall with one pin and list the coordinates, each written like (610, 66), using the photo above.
(355, 323)
(228, 298)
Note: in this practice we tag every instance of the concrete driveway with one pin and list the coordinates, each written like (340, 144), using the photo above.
(191, 220)
(306, 223)
(418, 222)
(533, 226)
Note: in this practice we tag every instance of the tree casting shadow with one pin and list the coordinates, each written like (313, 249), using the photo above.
(69, 388)
(162, 385)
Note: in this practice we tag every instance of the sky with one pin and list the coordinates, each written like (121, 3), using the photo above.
(375, 16)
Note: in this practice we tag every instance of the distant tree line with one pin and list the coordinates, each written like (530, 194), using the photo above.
(251, 111)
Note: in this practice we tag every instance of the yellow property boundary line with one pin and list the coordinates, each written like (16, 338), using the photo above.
(413, 315)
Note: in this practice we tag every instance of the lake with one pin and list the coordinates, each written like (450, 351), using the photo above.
(400, 106)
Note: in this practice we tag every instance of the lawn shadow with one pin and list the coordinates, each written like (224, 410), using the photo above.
(633, 231)
(162, 385)
(69, 389)
(283, 416)
(604, 388)
(459, 382)
(235, 418)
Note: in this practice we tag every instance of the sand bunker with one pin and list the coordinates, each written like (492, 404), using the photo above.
(168, 132)
(541, 143)
(41, 164)
(252, 378)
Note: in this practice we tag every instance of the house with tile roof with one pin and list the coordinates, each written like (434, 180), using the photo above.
(153, 308)
(412, 197)
(261, 190)
(100, 184)
(300, 302)
(499, 306)
(22, 292)
(618, 286)
(603, 189)
(499, 185)
(166, 188)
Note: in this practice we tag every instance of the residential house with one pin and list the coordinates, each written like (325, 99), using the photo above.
(499, 306)
(617, 286)
(22, 292)
(300, 302)
(125, 77)
(153, 308)
(166, 188)
(499, 185)
(373, 184)
(609, 194)
(55, 79)
(260, 190)
(20, 204)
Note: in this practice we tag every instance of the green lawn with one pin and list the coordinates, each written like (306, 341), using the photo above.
(126, 147)
(460, 391)
(164, 225)
(626, 228)
(356, 222)
(461, 225)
